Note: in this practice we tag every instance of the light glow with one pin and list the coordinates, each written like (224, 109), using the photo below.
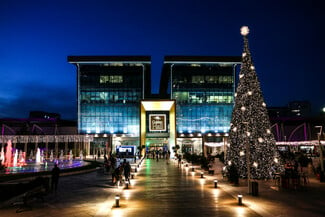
(244, 30)
(157, 105)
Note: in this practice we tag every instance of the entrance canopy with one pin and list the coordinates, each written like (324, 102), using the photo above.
(158, 121)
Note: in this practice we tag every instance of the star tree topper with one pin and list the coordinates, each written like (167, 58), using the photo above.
(244, 30)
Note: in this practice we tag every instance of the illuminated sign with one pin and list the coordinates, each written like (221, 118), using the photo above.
(157, 122)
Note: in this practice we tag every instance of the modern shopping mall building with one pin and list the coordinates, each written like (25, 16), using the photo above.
(117, 111)
(192, 109)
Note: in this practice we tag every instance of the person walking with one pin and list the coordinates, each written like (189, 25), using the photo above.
(157, 155)
(55, 177)
(179, 160)
(127, 171)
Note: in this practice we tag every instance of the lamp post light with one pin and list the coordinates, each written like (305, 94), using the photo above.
(321, 178)
(240, 199)
(117, 200)
(215, 183)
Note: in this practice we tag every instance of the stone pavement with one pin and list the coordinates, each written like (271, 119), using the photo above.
(161, 189)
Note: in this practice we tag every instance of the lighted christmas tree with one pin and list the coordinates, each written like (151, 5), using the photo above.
(250, 137)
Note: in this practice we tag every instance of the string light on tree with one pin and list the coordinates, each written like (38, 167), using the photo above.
(250, 128)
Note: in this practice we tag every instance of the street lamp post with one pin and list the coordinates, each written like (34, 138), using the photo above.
(321, 178)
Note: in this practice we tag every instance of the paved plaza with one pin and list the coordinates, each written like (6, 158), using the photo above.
(162, 189)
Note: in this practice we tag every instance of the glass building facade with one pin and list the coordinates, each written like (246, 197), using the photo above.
(109, 92)
(203, 88)
(115, 103)
(204, 92)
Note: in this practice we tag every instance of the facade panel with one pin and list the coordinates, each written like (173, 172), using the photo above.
(109, 93)
(204, 94)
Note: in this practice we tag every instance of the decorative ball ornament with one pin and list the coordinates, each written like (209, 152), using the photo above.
(241, 75)
(260, 140)
(243, 108)
(263, 104)
(252, 67)
(244, 30)
(255, 164)
(244, 54)
(250, 93)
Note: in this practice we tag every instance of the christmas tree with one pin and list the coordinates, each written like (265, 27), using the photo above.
(252, 149)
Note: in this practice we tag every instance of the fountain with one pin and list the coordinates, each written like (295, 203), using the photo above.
(42, 156)
(70, 155)
(14, 161)
(61, 156)
(51, 156)
(31, 155)
(81, 155)
(2, 155)
(38, 156)
(8, 156)
(22, 158)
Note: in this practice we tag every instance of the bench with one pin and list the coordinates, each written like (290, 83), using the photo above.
(25, 199)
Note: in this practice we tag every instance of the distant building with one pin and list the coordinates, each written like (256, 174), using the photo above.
(44, 115)
(293, 109)
(300, 108)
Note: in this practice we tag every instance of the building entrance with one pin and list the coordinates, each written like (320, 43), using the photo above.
(156, 146)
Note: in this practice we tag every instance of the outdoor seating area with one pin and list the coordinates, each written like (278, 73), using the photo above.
(291, 179)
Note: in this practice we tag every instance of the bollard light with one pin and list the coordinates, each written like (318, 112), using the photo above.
(117, 200)
(240, 199)
(132, 175)
(192, 169)
(202, 175)
(186, 165)
(127, 184)
(215, 183)
(135, 170)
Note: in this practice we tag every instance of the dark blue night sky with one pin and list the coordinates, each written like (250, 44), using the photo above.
(36, 36)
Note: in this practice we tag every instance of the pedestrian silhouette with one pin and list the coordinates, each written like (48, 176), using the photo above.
(55, 177)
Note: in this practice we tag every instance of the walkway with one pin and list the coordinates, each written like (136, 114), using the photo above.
(165, 190)
(160, 189)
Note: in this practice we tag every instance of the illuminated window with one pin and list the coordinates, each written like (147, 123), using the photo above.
(197, 79)
(211, 79)
(110, 79)
(226, 79)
